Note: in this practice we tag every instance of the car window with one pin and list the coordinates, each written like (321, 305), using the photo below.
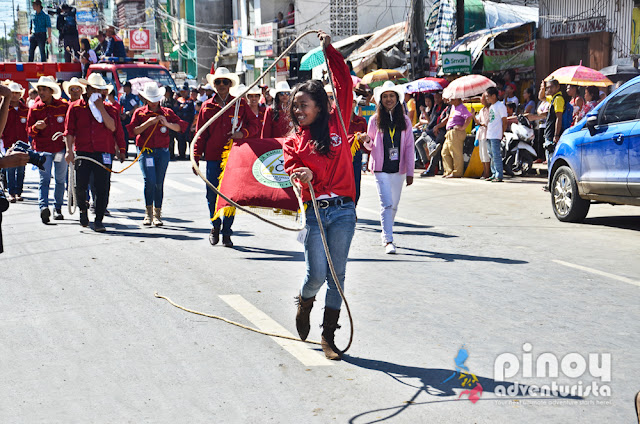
(108, 76)
(625, 106)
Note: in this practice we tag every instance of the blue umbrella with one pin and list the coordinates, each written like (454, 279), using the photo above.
(422, 86)
(313, 58)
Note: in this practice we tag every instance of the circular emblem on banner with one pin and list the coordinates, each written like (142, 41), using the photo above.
(60, 119)
(23, 120)
(336, 140)
(268, 169)
(163, 130)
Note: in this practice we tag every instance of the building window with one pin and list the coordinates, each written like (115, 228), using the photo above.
(344, 18)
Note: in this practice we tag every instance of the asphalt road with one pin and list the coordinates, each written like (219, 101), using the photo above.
(483, 267)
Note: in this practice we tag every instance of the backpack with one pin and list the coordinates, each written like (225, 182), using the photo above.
(567, 115)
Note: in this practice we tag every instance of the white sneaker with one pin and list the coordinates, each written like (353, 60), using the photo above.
(390, 249)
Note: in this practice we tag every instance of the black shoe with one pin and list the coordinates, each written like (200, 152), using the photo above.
(214, 236)
(545, 188)
(57, 215)
(226, 241)
(45, 213)
(84, 219)
(98, 227)
(426, 174)
(107, 213)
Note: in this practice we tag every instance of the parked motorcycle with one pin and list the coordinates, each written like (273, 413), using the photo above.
(518, 153)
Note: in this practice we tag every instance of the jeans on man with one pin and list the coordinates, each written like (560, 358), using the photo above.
(100, 183)
(389, 190)
(60, 166)
(339, 222)
(15, 180)
(38, 39)
(154, 163)
(213, 174)
(495, 152)
(421, 147)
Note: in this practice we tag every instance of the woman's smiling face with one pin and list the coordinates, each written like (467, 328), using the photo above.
(305, 109)
(389, 99)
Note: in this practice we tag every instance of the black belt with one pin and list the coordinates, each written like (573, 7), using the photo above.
(325, 203)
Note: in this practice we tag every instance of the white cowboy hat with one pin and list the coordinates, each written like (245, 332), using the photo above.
(74, 82)
(281, 87)
(49, 82)
(110, 88)
(388, 86)
(95, 80)
(223, 73)
(16, 88)
(152, 92)
(255, 90)
(207, 87)
(238, 90)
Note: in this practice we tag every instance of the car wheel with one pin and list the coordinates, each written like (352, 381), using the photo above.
(565, 200)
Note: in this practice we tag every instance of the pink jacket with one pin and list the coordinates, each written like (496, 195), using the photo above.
(407, 149)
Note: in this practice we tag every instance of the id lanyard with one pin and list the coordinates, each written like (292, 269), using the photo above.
(393, 151)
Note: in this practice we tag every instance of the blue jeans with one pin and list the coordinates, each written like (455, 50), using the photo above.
(496, 158)
(15, 180)
(154, 167)
(60, 177)
(339, 223)
(213, 175)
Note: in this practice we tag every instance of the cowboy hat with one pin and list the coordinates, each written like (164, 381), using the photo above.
(50, 83)
(281, 87)
(152, 92)
(16, 88)
(255, 90)
(238, 90)
(207, 87)
(74, 82)
(388, 86)
(96, 81)
(222, 73)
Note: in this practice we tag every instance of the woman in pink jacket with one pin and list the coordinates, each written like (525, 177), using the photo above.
(392, 158)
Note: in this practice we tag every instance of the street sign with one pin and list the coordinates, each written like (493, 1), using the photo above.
(456, 62)
(264, 40)
(88, 30)
(139, 39)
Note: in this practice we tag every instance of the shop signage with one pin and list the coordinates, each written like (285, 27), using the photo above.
(456, 62)
(139, 39)
(577, 27)
(433, 62)
(88, 30)
(264, 40)
(518, 57)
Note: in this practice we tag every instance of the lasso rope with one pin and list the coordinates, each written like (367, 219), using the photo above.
(297, 191)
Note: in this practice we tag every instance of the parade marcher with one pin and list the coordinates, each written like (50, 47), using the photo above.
(495, 130)
(452, 149)
(392, 154)
(216, 137)
(15, 130)
(46, 118)
(253, 100)
(318, 152)
(74, 89)
(201, 94)
(186, 112)
(209, 91)
(129, 102)
(170, 102)
(357, 125)
(276, 120)
(267, 99)
(151, 125)
(91, 130)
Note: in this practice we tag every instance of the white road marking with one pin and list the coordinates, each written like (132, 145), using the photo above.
(115, 190)
(263, 322)
(598, 272)
(134, 183)
(182, 187)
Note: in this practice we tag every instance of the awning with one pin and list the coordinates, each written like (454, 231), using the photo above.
(476, 42)
(380, 40)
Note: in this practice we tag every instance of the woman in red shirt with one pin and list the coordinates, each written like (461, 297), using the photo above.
(15, 130)
(276, 120)
(151, 125)
(319, 152)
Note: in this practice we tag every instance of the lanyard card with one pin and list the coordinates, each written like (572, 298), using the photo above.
(106, 158)
(149, 162)
(393, 153)
(58, 157)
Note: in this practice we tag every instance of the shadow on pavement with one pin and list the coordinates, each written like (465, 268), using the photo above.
(366, 224)
(439, 383)
(137, 214)
(452, 257)
(622, 222)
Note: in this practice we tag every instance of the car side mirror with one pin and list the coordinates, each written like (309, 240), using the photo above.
(592, 121)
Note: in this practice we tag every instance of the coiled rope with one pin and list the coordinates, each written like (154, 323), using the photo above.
(297, 191)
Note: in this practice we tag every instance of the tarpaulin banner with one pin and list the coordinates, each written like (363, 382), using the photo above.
(253, 175)
(522, 56)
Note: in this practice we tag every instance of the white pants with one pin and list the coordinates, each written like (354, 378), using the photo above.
(389, 190)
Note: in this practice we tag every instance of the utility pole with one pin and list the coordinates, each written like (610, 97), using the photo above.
(419, 39)
(459, 18)
(159, 39)
(15, 29)
(4, 48)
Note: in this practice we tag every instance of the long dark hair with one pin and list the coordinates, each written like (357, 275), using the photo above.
(276, 107)
(395, 118)
(321, 136)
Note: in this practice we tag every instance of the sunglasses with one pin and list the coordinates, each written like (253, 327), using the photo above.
(222, 81)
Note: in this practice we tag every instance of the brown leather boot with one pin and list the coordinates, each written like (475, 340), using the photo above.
(329, 326)
(302, 316)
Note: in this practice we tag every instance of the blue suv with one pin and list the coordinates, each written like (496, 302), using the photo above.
(598, 159)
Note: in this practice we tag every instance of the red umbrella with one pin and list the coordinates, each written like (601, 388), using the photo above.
(467, 87)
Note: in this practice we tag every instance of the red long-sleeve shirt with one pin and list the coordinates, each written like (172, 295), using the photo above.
(357, 125)
(91, 135)
(213, 140)
(54, 114)
(276, 129)
(160, 137)
(332, 173)
(16, 128)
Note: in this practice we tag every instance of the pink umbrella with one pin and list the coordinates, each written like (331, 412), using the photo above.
(580, 75)
(467, 87)
(137, 84)
(355, 80)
